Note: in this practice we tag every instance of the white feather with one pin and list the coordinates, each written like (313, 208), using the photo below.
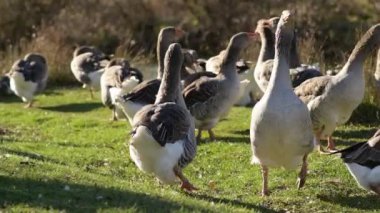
(149, 156)
(22, 88)
(364, 176)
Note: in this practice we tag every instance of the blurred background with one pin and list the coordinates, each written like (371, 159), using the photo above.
(327, 30)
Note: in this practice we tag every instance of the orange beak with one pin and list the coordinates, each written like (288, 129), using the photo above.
(179, 32)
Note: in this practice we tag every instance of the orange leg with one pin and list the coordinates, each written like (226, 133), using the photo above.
(185, 184)
(29, 104)
(330, 144)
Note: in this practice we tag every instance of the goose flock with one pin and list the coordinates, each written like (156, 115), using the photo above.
(297, 106)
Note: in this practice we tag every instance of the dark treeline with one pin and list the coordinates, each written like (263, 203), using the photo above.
(327, 30)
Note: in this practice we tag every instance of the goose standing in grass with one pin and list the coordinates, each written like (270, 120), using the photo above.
(28, 77)
(363, 162)
(332, 99)
(163, 140)
(209, 98)
(281, 130)
(145, 92)
(117, 80)
(88, 65)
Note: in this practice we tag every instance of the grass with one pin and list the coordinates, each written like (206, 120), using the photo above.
(65, 155)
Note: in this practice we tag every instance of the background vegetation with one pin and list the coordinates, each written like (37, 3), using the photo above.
(128, 28)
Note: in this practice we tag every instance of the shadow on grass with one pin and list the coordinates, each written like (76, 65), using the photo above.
(75, 107)
(10, 99)
(370, 202)
(30, 155)
(348, 138)
(241, 132)
(232, 202)
(67, 197)
(234, 139)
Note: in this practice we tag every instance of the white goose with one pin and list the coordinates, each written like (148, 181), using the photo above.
(332, 99)
(117, 80)
(163, 140)
(363, 162)
(28, 76)
(281, 112)
(209, 98)
(88, 65)
(145, 93)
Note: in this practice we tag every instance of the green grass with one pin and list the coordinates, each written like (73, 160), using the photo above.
(65, 155)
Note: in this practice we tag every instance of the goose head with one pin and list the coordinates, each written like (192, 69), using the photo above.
(118, 62)
(237, 43)
(285, 33)
(166, 36)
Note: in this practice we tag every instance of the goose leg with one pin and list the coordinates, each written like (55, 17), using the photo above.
(302, 175)
(185, 184)
(265, 172)
(211, 135)
(318, 143)
(91, 93)
(330, 144)
(113, 118)
(29, 104)
(199, 136)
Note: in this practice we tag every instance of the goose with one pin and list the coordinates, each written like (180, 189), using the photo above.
(298, 72)
(208, 98)
(117, 80)
(145, 92)
(212, 67)
(28, 76)
(281, 112)
(332, 99)
(88, 65)
(363, 162)
(163, 140)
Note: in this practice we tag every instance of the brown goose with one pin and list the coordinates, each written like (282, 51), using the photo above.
(281, 130)
(145, 93)
(163, 140)
(332, 99)
(117, 80)
(28, 76)
(363, 162)
(88, 65)
(208, 98)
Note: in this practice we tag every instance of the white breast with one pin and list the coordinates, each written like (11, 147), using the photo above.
(150, 157)
(22, 88)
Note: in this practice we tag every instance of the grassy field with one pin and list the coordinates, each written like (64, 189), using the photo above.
(65, 155)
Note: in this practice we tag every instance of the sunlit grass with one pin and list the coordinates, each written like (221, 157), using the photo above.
(65, 154)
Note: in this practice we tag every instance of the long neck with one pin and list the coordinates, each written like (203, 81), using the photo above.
(280, 78)
(377, 72)
(362, 49)
(162, 45)
(228, 66)
(294, 57)
(170, 84)
(267, 46)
